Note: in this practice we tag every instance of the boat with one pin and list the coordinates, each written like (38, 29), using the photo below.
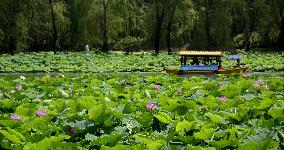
(205, 63)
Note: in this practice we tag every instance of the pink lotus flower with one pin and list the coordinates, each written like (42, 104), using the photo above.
(151, 106)
(41, 113)
(256, 85)
(266, 87)
(223, 99)
(19, 88)
(15, 117)
(157, 86)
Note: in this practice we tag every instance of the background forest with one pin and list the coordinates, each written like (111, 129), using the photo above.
(36, 25)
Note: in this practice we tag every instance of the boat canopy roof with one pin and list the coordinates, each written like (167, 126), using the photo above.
(201, 53)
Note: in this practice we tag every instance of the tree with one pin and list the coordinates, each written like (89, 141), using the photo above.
(26, 24)
(247, 29)
(199, 33)
(220, 19)
(99, 11)
(159, 19)
(208, 7)
(9, 15)
(29, 25)
(129, 23)
(54, 28)
(179, 22)
(105, 4)
(171, 6)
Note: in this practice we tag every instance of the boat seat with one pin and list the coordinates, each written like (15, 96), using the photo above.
(199, 68)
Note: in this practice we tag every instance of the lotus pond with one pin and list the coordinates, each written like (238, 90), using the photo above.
(119, 62)
(134, 112)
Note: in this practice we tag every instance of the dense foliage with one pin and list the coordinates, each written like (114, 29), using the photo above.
(32, 25)
(120, 112)
(119, 62)
(153, 112)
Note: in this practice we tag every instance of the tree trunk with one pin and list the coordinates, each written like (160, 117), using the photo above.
(159, 22)
(12, 44)
(170, 28)
(281, 36)
(54, 29)
(128, 32)
(207, 24)
(247, 26)
(12, 38)
(105, 31)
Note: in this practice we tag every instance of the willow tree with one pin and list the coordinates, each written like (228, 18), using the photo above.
(54, 28)
(199, 33)
(27, 24)
(278, 11)
(268, 22)
(77, 13)
(17, 18)
(108, 22)
(220, 19)
(105, 4)
(159, 13)
(257, 23)
(9, 12)
(171, 12)
(205, 24)
(98, 19)
(128, 17)
(179, 20)
(168, 21)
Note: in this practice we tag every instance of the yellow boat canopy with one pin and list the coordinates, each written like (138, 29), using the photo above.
(201, 53)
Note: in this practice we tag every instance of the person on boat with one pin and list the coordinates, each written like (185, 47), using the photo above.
(236, 57)
(195, 61)
(220, 67)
